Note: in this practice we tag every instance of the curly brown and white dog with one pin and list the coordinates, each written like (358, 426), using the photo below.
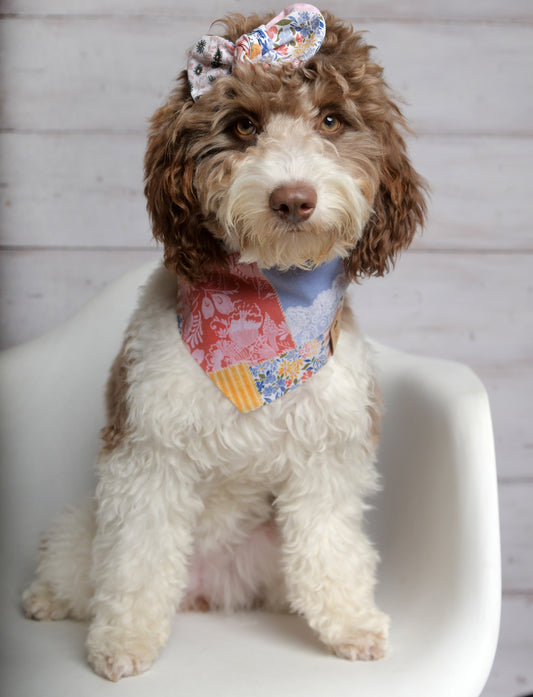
(243, 414)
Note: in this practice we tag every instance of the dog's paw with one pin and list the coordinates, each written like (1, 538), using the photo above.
(38, 603)
(118, 665)
(118, 652)
(366, 640)
(363, 645)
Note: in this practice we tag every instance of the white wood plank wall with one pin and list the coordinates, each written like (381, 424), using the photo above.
(78, 80)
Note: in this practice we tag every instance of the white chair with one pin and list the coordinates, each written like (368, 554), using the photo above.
(435, 524)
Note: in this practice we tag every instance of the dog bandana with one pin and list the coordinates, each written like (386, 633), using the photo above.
(260, 333)
(295, 35)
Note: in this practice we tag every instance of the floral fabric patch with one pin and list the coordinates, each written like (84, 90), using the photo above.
(275, 378)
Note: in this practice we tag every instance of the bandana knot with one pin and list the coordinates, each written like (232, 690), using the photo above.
(295, 35)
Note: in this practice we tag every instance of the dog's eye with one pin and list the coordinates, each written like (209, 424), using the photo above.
(330, 124)
(245, 128)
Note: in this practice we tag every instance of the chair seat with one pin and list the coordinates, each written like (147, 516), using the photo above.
(435, 523)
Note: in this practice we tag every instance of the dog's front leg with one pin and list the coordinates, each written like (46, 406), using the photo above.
(329, 563)
(145, 515)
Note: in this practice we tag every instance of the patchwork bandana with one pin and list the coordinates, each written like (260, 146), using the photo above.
(294, 35)
(260, 333)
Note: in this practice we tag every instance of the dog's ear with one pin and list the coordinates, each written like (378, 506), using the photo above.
(190, 250)
(399, 207)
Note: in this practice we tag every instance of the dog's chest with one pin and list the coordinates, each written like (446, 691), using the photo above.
(233, 504)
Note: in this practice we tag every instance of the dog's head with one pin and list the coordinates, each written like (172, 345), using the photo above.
(289, 166)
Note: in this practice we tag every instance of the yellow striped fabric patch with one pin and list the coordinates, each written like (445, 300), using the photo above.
(238, 385)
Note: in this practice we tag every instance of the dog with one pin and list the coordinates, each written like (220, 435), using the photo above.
(243, 411)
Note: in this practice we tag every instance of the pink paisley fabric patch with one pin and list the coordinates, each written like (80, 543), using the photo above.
(231, 318)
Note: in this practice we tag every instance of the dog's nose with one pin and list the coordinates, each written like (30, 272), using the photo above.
(293, 203)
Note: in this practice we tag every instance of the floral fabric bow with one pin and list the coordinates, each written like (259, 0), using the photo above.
(295, 35)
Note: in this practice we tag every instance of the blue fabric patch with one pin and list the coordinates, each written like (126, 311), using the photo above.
(297, 287)
(309, 299)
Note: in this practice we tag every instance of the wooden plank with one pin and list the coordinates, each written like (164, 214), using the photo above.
(460, 78)
(386, 9)
(110, 73)
(468, 307)
(40, 289)
(512, 672)
(72, 189)
(516, 517)
(510, 388)
(480, 192)
(103, 74)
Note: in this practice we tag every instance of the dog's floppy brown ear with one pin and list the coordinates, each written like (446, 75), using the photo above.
(399, 207)
(190, 250)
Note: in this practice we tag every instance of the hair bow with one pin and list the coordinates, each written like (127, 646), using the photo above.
(294, 35)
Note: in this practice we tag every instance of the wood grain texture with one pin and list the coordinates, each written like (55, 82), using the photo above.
(41, 288)
(435, 10)
(516, 500)
(479, 189)
(109, 73)
(69, 189)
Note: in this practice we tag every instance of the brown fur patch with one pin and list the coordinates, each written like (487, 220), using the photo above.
(116, 402)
